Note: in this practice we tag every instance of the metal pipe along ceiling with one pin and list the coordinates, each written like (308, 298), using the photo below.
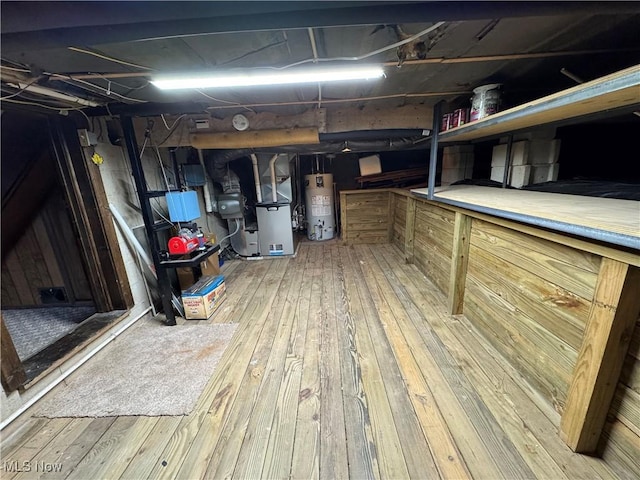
(359, 141)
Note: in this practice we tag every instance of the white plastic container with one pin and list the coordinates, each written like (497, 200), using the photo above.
(485, 101)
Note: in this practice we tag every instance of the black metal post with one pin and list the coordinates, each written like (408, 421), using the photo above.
(164, 283)
(433, 154)
(507, 162)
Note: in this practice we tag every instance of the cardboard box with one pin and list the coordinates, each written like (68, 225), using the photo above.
(369, 165)
(210, 267)
(203, 298)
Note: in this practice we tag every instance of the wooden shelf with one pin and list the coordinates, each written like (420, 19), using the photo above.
(605, 219)
(612, 92)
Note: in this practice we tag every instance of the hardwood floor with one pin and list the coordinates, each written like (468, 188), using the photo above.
(344, 364)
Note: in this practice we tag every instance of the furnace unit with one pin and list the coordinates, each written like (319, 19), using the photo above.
(275, 233)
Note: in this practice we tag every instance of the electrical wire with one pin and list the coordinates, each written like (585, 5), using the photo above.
(174, 123)
(93, 128)
(366, 55)
(235, 104)
(164, 173)
(231, 234)
(160, 214)
(171, 131)
(107, 79)
(107, 91)
(59, 109)
(144, 146)
(21, 90)
(345, 100)
(14, 69)
(106, 57)
(252, 52)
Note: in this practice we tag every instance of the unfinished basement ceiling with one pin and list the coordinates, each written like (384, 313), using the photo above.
(107, 52)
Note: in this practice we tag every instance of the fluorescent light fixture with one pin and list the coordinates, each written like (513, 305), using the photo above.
(252, 78)
(53, 94)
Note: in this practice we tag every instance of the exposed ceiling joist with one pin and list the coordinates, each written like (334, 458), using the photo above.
(101, 23)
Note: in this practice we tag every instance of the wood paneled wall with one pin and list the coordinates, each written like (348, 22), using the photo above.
(432, 243)
(399, 221)
(366, 217)
(44, 257)
(541, 298)
(531, 299)
(621, 439)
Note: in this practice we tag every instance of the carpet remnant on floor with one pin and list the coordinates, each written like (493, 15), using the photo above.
(150, 369)
(34, 329)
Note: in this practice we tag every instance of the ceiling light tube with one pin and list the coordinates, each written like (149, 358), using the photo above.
(251, 78)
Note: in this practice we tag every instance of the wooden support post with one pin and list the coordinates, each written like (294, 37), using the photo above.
(459, 261)
(392, 215)
(13, 374)
(343, 218)
(409, 229)
(614, 311)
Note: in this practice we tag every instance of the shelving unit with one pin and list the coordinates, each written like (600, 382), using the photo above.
(162, 263)
(614, 94)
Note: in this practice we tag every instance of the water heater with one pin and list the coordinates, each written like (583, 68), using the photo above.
(321, 223)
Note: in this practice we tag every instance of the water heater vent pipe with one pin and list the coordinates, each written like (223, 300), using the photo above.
(208, 205)
(272, 169)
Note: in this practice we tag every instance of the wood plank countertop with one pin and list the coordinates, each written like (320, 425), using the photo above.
(606, 219)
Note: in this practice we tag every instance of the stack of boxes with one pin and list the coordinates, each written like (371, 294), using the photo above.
(457, 164)
(532, 161)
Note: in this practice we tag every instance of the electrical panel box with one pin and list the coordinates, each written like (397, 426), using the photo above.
(183, 206)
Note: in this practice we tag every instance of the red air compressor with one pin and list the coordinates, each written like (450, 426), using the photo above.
(185, 242)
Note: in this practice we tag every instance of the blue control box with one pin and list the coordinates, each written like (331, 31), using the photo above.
(183, 206)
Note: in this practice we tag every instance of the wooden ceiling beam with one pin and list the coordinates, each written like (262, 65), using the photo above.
(320, 120)
(254, 139)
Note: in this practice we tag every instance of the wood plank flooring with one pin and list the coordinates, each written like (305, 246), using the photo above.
(344, 364)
